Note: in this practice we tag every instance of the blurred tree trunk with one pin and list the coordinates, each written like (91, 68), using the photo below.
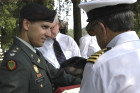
(136, 8)
(77, 21)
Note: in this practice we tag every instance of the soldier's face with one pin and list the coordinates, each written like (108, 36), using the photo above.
(37, 32)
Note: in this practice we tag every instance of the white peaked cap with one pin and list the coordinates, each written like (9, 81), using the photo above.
(87, 6)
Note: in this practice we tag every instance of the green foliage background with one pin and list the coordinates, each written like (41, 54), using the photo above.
(135, 8)
(10, 12)
(9, 18)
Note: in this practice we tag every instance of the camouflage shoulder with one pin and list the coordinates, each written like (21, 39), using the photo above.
(95, 56)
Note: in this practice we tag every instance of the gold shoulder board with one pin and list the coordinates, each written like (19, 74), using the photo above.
(96, 55)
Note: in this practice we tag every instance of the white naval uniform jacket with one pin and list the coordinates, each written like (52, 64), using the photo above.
(88, 45)
(117, 70)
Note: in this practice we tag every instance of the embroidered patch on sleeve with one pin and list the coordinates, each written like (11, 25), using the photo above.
(11, 65)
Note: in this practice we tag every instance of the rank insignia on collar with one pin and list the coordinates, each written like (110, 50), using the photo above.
(96, 55)
(11, 65)
(38, 60)
(36, 69)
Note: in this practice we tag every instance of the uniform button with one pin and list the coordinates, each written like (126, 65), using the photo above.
(32, 55)
(41, 86)
(38, 61)
(17, 48)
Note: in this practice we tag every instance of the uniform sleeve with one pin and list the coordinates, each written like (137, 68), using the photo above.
(84, 44)
(64, 79)
(61, 78)
(13, 81)
(75, 50)
(91, 82)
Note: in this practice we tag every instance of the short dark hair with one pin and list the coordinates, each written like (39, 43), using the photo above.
(117, 22)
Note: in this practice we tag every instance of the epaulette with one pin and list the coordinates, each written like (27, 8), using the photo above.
(96, 55)
(11, 64)
(13, 52)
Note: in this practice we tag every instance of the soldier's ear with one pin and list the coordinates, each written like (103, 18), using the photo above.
(26, 23)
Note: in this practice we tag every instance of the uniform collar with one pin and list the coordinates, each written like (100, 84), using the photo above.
(32, 55)
(123, 38)
(27, 44)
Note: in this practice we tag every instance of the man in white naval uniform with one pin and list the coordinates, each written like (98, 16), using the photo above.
(116, 70)
(88, 44)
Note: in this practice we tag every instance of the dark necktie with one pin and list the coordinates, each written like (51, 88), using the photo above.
(58, 52)
(37, 52)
